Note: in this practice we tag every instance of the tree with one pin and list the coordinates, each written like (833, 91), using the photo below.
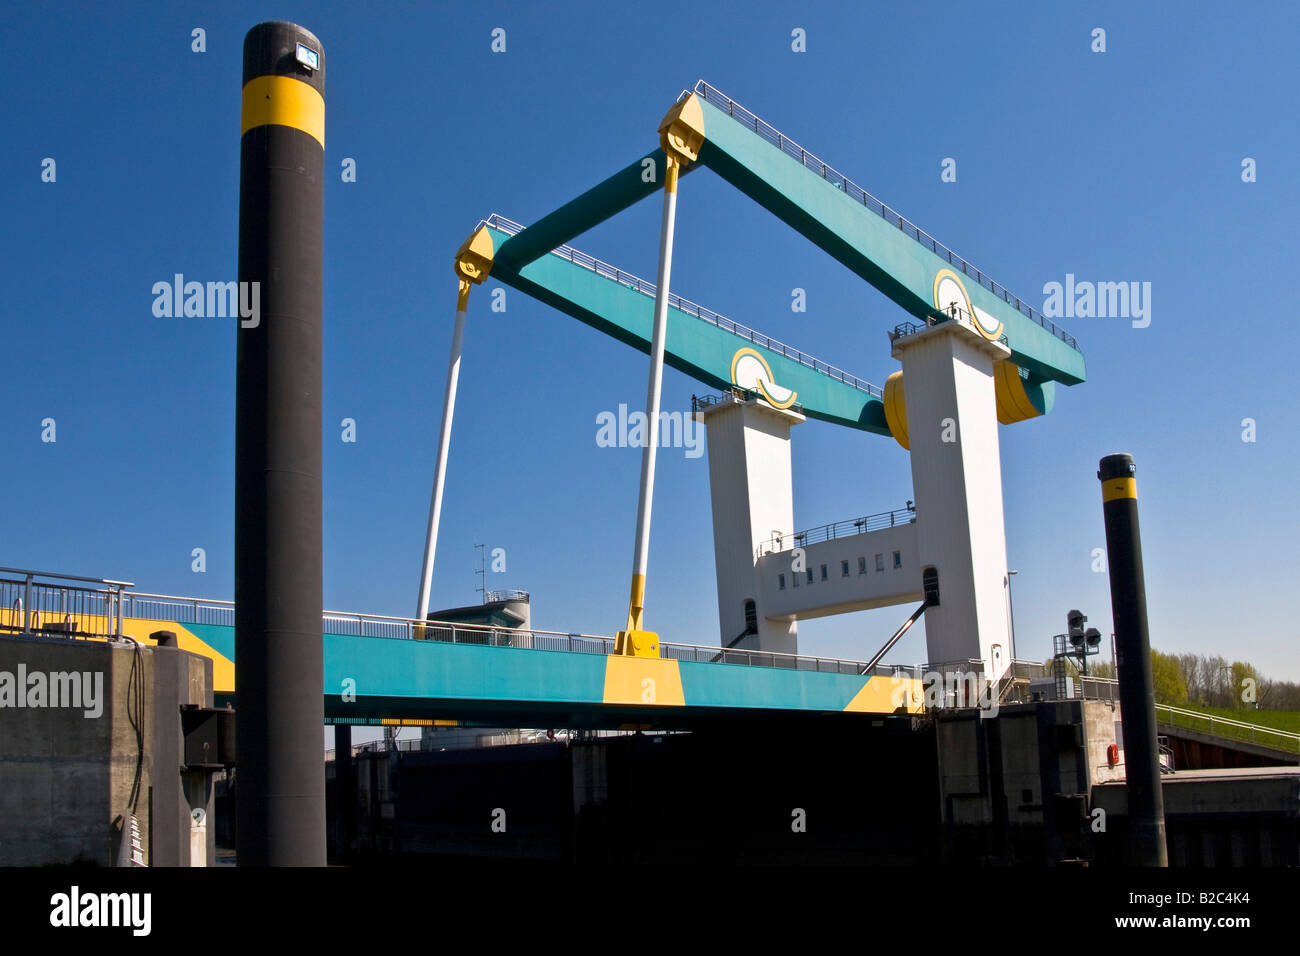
(1101, 669)
(1241, 674)
(1167, 680)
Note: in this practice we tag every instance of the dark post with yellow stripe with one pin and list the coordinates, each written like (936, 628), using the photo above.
(1128, 599)
(278, 592)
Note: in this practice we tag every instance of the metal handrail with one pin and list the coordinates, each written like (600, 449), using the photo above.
(404, 628)
(86, 611)
(1211, 719)
(26, 572)
(774, 136)
(1175, 712)
(647, 288)
(393, 627)
(954, 313)
(731, 396)
(183, 609)
(839, 529)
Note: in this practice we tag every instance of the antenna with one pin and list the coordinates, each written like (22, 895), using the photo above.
(481, 571)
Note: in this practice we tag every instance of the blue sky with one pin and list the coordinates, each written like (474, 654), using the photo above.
(1115, 166)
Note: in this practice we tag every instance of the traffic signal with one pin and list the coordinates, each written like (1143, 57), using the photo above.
(1074, 622)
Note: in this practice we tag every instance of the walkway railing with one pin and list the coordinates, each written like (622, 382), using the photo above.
(731, 396)
(31, 602)
(850, 188)
(1227, 727)
(647, 288)
(840, 529)
(952, 314)
(185, 610)
(1107, 688)
(80, 611)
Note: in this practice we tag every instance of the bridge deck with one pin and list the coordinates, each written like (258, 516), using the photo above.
(514, 678)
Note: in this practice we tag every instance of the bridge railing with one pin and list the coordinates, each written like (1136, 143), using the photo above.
(182, 610)
(839, 529)
(1228, 727)
(1107, 688)
(953, 313)
(731, 396)
(645, 287)
(77, 611)
(42, 602)
(852, 189)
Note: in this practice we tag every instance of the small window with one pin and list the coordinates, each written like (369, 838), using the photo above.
(844, 569)
(823, 572)
(880, 562)
(810, 577)
(780, 582)
(862, 565)
(794, 580)
(898, 560)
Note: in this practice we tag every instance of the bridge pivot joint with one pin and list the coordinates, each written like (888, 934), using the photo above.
(681, 133)
(473, 263)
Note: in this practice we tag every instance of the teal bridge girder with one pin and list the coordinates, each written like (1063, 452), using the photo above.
(700, 343)
(530, 678)
(841, 218)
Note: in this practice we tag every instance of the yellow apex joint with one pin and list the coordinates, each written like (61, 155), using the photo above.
(681, 134)
(473, 261)
(633, 641)
(636, 644)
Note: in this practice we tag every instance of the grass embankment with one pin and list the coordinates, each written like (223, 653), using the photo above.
(1285, 720)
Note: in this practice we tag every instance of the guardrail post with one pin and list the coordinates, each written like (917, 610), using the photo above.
(27, 605)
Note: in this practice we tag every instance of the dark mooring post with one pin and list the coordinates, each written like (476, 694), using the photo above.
(278, 591)
(1128, 599)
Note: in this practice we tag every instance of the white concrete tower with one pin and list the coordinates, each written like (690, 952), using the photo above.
(948, 420)
(751, 489)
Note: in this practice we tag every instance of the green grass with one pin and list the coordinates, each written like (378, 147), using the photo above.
(1287, 720)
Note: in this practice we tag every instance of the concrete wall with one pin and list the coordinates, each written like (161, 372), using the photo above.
(838, 594)
(1233, 817)
(1102, 729)
(68, 778)
(1015, 786)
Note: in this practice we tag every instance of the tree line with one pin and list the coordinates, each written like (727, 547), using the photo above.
(1199, 680)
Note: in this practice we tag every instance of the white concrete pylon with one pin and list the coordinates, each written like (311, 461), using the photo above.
(952, 429)
(751, 493)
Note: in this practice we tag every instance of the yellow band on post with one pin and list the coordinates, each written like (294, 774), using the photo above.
(1118, 488)
(283, 101)
(636, 602)
(671, 174)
